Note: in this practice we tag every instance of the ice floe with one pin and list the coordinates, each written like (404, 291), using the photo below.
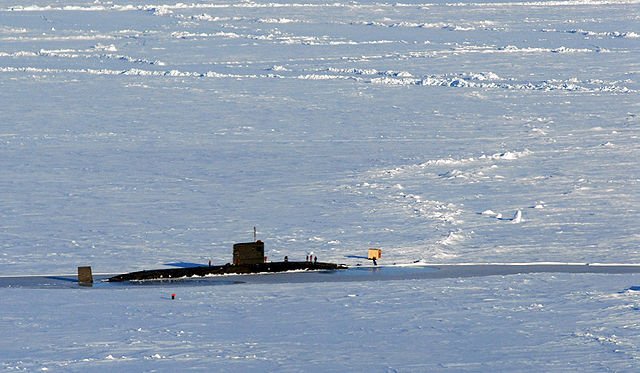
(597, 34)
(517, 217)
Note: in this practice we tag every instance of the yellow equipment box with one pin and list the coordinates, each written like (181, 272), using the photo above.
(374, 254)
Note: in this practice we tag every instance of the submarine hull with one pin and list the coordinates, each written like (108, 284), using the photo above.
(272, 267)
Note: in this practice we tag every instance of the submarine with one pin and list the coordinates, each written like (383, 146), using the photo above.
(248, 258)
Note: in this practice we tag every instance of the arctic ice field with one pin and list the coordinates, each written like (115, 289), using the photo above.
(137, 134)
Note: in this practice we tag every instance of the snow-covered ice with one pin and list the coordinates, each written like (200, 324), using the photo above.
(135, 134)
(514, 323)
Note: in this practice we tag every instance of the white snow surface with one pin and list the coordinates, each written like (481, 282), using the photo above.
(513, 323)
(135, 134)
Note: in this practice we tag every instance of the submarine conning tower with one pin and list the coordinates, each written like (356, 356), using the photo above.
(248, 253)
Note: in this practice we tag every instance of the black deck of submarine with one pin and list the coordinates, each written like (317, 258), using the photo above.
(228, 269)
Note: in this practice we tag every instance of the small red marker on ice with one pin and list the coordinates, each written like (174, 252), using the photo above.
(173, 296)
